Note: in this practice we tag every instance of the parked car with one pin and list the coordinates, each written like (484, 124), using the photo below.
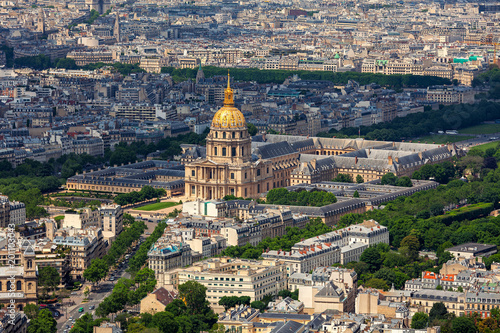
(81, 309)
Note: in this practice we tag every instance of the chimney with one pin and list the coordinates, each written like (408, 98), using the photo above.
(396, 159)
(313, 163)
(389, 160)
(420, 154)
(356, 160)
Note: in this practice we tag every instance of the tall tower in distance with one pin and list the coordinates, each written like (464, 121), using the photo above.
(41, 21)
(116, 31)
(200, 75)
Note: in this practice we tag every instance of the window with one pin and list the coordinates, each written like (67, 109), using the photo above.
(258, 188)
(223, 151)
(232, 191)
(215, 151)
(234, 135)
(242, 151)
(233, 151)
(216, 135)
(267, 169)
(224, 135)
(245, 175)
(258, 172)
(245, 192)
(232, 175)
(193, 189)
(193, 173)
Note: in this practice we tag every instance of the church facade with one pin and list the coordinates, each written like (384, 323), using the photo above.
(229, 167)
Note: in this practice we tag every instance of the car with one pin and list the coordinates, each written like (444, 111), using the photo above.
(71, 318)
(74, 293)
(67, 326)
(81, 309)
(111, 279)
(92, 307)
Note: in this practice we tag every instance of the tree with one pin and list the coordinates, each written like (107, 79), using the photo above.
(410, 246)
(43, 323)
(372, 257)
(343, 178)
(258, 305)
(439, 287)
(252, 130)
(194, 295)
(356, 194)
(419, 320)
(404, 182)
(97, 271)
(389, 179)
(165, 322)
(436, 209)
(438, 311)
(359, 179)
(463, 325)
(48, 277)
(377, 284)
(31, 311)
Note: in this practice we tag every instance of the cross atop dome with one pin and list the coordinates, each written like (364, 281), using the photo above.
(228, 93)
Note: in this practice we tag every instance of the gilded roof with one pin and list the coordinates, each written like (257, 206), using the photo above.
(228, 117)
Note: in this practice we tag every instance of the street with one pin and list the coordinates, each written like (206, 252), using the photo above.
(70, 314)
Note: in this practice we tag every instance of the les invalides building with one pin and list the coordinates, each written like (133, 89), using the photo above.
(228, 167)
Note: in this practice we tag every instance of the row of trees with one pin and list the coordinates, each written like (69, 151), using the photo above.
(391, 179)
(128, 292)
(190, 313)
(141, 255)
(420, 124)
(146, 193)
(279, 76)
(293, 235)
(316, 198)
(99, 268)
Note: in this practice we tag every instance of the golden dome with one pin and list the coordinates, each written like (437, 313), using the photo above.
(228, 116)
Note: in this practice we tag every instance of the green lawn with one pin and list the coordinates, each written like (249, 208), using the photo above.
(442, 138)
(157, 206)
(481, 129)
(485, 146)
(59, 218)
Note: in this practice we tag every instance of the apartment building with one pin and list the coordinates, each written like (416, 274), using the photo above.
(241, 234)
(326, 288)
(11, 212)
(236, 277)
(450, 95)
(85, 244)
(307, 259)
(167, 255)
(85, 58)
(111, 221)
(82, 218)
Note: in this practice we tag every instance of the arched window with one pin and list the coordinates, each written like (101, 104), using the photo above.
(8, 285)
(30, 285)
(18, 285)
(30, 264)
